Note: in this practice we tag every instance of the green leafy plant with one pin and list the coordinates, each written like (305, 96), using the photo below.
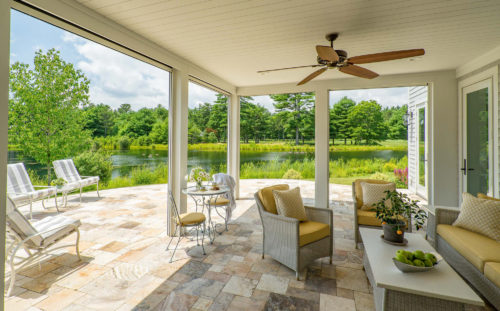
(58, 182)
(94, 164)
(396, 206)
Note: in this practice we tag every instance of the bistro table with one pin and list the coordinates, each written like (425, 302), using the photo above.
(207, 198)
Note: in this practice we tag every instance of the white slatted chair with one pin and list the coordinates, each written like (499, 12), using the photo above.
(35, 238)
(66, 170)
(21, 190)
(227, 201)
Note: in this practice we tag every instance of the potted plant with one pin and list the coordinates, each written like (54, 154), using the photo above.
(199, 175)
(393, 209)
(58, 183)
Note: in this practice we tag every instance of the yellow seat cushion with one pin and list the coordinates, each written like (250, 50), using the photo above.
(484, 196)
(492, 272)
(368, 218)
(219, 201)
(312, 231)
(267, 198)
(192, 218)
(359, 190)
(475, 247)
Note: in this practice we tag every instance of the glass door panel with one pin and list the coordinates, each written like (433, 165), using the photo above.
(421, 147)
(476, 164)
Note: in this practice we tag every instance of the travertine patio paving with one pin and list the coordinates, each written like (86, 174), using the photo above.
(125, 264)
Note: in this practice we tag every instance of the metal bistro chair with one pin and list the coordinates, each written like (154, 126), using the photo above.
(186, 220)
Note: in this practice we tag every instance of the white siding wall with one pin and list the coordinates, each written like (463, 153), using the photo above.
(417, 95)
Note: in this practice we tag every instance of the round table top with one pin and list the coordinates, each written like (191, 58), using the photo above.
(208, 191)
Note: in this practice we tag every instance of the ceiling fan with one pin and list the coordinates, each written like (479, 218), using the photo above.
(329, 58)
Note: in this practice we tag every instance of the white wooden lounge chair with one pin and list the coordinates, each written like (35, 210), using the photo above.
(35, 238)
(66, 170)
(21, 190)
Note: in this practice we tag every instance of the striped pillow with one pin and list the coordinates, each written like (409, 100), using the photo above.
(289, 203)
(479, 215)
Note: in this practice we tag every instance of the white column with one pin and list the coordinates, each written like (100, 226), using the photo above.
(4, 110)
(233, 145)
(322, 134)
(178, 149)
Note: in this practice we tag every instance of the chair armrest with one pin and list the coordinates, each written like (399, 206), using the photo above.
(323, 215)
(285, 229)
(446, 216)
(88, 176)
(21, 242)
(44, 187)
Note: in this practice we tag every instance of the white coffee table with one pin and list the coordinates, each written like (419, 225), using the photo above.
(439, 289)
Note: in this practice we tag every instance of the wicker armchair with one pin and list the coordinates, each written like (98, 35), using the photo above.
(364, 218)
(285, 239)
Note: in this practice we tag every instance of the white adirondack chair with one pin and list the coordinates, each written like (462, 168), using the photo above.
(21, 190)
(66, 170)
(35, 238)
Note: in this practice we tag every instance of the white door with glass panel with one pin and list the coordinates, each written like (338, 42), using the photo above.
(421, 141)
(477, 144)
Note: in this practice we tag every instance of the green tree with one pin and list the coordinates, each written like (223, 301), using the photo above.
(45, 114)
(124, 108)
(339, 122)
(298, 105)
(218, 118)
(367, 122)
(99, 119)
(138, 123)
(395, 122)
(159, 133)
(245, 117)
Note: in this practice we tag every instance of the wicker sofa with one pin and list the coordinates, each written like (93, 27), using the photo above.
(474, 256)
(293, 243)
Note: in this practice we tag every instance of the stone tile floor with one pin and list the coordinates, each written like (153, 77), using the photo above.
(126, 265)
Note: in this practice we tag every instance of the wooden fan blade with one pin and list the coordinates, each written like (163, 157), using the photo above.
(327, 53)
(270, 70)
(359, 72)
(381, 57)
(312, 76)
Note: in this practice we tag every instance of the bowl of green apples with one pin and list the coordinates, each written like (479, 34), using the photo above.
(416, 261)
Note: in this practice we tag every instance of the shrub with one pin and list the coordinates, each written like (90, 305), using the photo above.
(144, 141)
(292, 174)
(382, 176)
(389, 167)
(94, 164)
(142, 176)
(124, 143)
(36, 179)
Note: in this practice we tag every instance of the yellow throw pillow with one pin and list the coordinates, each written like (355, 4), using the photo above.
(479, 215)
(373, 193)
(484, 196)
(289, 203)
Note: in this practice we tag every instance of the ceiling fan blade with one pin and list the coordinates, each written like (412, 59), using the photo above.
(381, 57)
(359, 72)
(270, 70)
(312, 76)
(327, 53)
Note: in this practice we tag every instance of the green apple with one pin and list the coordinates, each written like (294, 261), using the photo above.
(402, 252)
(431, 257)
(401, 258)
(409, 255)
(418, 254)
(428, 263)
(418, 263)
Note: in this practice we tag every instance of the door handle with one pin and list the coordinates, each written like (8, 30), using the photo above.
(464, 168)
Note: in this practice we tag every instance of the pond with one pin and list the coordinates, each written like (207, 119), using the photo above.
(125, 160)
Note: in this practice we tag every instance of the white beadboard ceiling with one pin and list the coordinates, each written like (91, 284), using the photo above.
(235, 38)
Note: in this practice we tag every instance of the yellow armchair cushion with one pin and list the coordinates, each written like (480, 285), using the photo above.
(368, 218)
(191, 218)
(312, 231)
(484, 196)
(359, 191)
(475, 247)
(492, 272)
(267, 198)
(219, 201)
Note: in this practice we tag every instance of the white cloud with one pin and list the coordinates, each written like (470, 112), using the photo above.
(117, 78)
(71, 37)
(199, 95)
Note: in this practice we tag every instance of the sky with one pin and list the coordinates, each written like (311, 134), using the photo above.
(117, 78)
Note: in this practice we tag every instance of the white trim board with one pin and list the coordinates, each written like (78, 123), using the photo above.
(481, 61)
